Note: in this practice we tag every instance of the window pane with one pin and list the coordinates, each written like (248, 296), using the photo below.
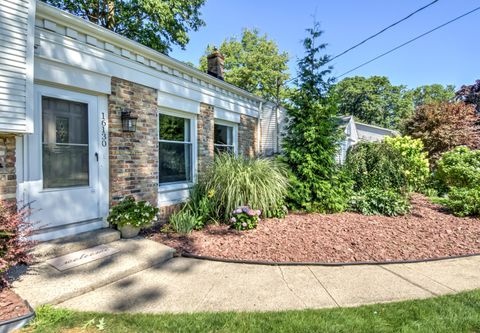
(174, 128)
(224, 149)
(174, 162)
(65, 165)
(65, 143)
(223, 135)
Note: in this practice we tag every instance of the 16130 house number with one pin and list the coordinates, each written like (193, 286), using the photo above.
(104, 132)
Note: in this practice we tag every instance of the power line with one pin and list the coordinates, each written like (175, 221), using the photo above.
(408, 42)
(382, 31)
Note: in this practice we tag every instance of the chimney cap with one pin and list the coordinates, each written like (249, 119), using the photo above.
(215, 53)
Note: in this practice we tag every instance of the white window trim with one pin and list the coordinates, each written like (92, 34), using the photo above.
(169, 187)
(235, 132)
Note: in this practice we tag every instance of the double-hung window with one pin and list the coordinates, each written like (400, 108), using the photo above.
(224, 138)
(175, 149)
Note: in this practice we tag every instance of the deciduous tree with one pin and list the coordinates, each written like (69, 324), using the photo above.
(158, 24)
(470, 94)
(432, 93)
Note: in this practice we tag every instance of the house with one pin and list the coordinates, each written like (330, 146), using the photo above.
(88, 117)
(356, 132)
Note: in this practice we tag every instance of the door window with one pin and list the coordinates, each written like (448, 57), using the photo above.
(64, 143)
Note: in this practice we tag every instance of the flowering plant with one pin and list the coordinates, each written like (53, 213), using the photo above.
(137, 214)
(245, 218)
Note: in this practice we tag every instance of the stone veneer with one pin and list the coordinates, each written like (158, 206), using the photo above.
(8, 178)
(205, 133)
(133, 156)
(247, 136)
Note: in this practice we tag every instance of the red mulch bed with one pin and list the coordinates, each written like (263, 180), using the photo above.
(427, 232)
(11, 305)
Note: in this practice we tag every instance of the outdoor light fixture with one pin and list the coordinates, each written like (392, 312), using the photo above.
(129, 122)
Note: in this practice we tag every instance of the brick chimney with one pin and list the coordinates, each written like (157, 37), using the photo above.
(216, 64)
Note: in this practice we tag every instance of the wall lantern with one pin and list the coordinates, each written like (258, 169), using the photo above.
(129, 122)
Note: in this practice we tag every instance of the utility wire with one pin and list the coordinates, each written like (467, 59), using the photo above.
(408, 42)
(382, 31)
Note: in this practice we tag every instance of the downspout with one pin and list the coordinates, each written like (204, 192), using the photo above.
(259, 138)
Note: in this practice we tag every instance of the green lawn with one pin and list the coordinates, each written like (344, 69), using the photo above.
(456, 313)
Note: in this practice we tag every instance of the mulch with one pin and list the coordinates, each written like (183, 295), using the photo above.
(427, 232)
(11, 305)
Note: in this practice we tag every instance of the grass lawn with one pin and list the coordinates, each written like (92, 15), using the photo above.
(455, 313)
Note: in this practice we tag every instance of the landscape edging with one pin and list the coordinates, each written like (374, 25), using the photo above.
(288, 263)
(10, 325)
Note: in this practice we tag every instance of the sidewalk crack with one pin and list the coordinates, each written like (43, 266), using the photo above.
(323, 286)
(288, 286)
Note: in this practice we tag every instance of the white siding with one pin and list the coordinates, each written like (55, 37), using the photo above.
(272, 125)
(16, 65)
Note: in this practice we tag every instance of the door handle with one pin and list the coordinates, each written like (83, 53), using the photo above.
(96, 156)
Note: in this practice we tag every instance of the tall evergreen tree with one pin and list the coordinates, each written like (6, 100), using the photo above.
(312, 136)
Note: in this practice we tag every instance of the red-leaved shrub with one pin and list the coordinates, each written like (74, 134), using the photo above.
(14, 244)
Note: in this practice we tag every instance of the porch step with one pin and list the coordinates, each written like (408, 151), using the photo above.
(66, 245)
(43, 284)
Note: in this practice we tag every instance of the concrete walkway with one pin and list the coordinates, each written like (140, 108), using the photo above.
(189, 285)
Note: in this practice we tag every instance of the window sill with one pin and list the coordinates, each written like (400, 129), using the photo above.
(174, 187)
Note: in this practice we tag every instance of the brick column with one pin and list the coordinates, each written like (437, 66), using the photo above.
(8, 178)
(133, 156)
(247, 136)
(205, 133)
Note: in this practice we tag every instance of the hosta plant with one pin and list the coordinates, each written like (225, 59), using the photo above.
(245, 218)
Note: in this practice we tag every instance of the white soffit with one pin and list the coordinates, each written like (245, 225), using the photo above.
(226, 115)
(177, 103)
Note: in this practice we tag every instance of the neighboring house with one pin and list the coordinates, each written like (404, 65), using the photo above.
(272, 124)
(70, 95)
(356, 132)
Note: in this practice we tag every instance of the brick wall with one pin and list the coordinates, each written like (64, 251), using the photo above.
(8, 178)
(205, 132)
(247, 136)
(133, 156)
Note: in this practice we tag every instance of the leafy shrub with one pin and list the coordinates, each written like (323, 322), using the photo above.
(279, 212)
(414, 160)
(138, 214)
(239, 181)
(245, 218)
(201, 205)
(459, 167)
(183, 221)
(14, 246)
(464, 201)
(376, 201)
(375, 165)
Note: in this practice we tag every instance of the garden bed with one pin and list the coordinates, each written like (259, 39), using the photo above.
(428, 232)
(11, 305)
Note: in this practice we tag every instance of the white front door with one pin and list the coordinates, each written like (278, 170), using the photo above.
(63, 158)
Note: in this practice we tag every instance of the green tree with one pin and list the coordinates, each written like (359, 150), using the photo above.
(373, 100)
(253, 63)
(312, 134)
(158, 24)
(432, 93)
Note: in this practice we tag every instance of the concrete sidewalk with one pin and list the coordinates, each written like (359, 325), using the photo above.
(189, 285)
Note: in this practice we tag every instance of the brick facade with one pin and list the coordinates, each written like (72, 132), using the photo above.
(247, 136)
(205, 133)
(133, 156)
(8, 178)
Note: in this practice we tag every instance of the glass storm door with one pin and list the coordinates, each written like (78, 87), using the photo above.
(66, 165)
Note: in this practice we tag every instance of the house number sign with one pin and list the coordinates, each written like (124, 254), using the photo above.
(104, 132)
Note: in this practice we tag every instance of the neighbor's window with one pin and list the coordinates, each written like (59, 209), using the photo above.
(223, 139)
(174, 149)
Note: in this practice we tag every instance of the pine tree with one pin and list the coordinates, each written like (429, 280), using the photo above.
(312, 136)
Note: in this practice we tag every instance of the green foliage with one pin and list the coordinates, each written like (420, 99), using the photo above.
(312, 135)
(375, 201)
(253, 63)
(375, 165)
(244, 218)
(137, 214)
(444, 126)
(240, 181)
(414, 160)
(183, 221)
(373, 100)
(464, 201)
(432, 94)
(459, 168)
(158, 24)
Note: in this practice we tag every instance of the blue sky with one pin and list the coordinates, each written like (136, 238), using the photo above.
(448, 56)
